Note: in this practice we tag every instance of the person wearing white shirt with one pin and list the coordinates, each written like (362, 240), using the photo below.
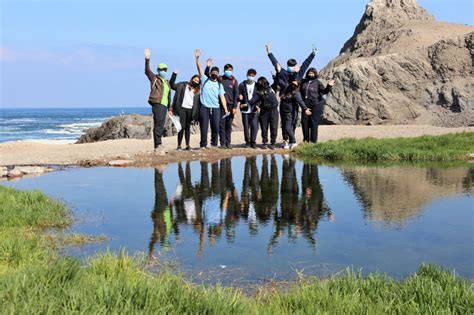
(247, 92)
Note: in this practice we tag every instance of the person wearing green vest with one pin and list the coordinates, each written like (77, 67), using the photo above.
(159, 99)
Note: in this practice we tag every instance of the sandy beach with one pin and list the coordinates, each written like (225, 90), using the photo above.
(140, 151)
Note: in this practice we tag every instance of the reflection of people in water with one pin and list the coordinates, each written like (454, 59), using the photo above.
(183, 199)
(287, 217)
(249, 194)
(161, 215)
(299, 215)
(229, 198)
(213, 207)
(313, 205)
(267, 196)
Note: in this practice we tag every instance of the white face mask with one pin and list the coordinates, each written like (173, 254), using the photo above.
(251, 78)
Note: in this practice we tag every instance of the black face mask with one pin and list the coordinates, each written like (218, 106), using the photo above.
(194, 84)
(214, 76)
(311, 77)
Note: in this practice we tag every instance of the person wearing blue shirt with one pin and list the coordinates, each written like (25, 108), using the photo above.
(213, 103)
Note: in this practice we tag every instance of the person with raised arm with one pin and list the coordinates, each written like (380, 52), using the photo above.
(290, 99)
(231, 88)
(293, 70)
(212, 99)
(159, 99)
(185, 105)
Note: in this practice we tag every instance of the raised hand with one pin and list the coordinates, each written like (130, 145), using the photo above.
(198, 53)
(315, 50)
(175, 71)
(332, 82)
(147, 53)
(209, 62)
(268, 47)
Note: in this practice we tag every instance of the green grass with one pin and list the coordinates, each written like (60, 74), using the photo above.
(445, 148)
(30, 209)
(37, 280)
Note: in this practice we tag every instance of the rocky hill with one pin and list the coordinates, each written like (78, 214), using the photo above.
(403, 67)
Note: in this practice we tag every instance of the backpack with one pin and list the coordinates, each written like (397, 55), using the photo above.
(266, 102)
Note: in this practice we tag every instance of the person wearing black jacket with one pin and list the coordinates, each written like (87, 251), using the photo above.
(267, 105)
(231, 88)
(185, 105)
(293, 70)
(247, 99)
(290, 99)
(312, 91)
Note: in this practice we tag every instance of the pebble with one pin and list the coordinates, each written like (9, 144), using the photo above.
(120, 163)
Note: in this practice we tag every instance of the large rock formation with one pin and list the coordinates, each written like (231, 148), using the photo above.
(403, 67)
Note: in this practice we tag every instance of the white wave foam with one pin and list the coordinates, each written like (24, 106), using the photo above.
(21, 120)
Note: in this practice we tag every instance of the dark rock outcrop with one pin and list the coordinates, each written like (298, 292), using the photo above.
(127, 126)
(403, 67)
(135, 127)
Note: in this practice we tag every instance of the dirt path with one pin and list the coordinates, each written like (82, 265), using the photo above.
(99, 153)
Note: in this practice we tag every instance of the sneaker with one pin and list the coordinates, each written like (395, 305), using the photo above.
(188, 148)
(253, 146)
(264, 146)
(285, 145)
(203, 148)
(178, 148)
(293, 145)
(228, 146)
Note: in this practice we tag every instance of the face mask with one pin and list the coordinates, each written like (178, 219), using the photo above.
(213, 76)
(291, 69)
(250, 78)
(228, 74)
(194, 84)
(311, 77)
(163, 74)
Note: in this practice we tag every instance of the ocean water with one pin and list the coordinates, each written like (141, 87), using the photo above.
(56, 123)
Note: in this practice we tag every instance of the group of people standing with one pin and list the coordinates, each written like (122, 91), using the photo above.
(209, 98)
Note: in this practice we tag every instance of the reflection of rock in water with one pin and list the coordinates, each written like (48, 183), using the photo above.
(396, 194)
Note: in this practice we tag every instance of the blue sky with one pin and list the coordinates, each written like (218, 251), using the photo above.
(90, 53)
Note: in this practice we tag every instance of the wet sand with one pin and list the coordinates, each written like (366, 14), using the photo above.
(140, 151)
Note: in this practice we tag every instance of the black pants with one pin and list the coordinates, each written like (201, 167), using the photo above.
(287, 121)
(269, 117)
(250, 125)
(310, 124)
(159, 119)
(294, 116)
(185, 118)
(213, 115)
(225, 129)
